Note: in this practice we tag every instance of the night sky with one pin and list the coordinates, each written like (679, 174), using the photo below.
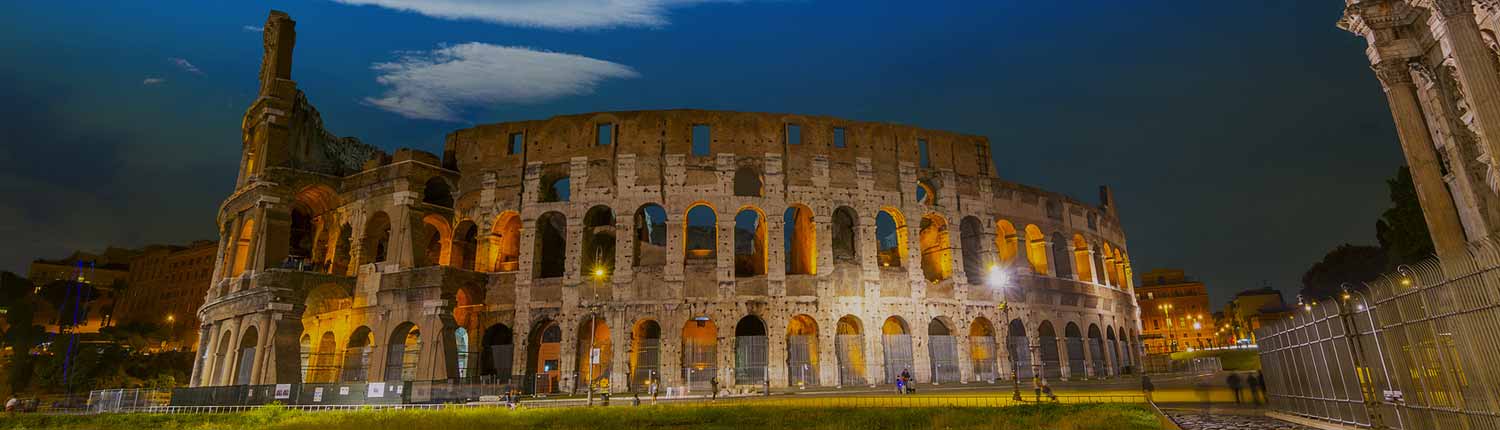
(1243, 139)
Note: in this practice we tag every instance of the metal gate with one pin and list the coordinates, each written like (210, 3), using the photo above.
(502, 358)
(943, 353)
(1076, 363)
(982, 353)
(751, 356)
(1019, 349)
(1114, 351)
(897, 356)
(699, 365)
(1096, 349)
(801, 365)
(850, 351)
(1051, 358)
(401, 362)
(647, 362)
(247, 364)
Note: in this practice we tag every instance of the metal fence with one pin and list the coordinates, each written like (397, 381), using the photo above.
(1416, 349)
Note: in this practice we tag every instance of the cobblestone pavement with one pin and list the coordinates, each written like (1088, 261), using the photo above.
(1193, 420)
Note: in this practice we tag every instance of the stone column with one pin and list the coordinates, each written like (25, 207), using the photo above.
(1416, 143)
(1476, 67)
(262, 345)
(963, 357)
(1063, 356)
(1088, 358)
(205, 347)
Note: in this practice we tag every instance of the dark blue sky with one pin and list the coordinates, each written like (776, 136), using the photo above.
(1242, 140)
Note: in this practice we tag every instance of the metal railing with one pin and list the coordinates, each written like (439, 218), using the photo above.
(1415, 349)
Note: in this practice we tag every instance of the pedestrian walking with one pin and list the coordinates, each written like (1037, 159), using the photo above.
(900, 385)
(1147, 386)
(906, 376)
(1047, 389)
(1234, 385)
(654, 390)
(1257, 389)
(714, 383)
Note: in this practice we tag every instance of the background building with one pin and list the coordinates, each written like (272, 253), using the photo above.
(58, 283)
(1247, 312)
(166, 287)
(1175, 312)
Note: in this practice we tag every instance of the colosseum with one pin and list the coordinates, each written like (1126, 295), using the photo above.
(617, 249)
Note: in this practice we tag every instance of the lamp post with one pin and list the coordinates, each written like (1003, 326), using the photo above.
(1166, 310)
(593, 308)
(997, 280)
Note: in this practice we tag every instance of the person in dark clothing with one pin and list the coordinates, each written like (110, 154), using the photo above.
(1147, 386)
(714, 383)
(1256, 386)
(1234, 385)
(906, 376)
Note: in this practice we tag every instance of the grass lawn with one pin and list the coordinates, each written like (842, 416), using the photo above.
(1050, 417)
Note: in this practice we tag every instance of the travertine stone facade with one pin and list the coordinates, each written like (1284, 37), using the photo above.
(682, 244)
(1436, 61)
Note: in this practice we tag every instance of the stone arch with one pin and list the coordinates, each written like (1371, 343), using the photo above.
(461, 351)
(244, 366)
(339, 256)
(1112, 345)
(221, 370)
(242, 245)
(403, 351)
(747, 182)
(802, 351)
(437, 192)
(937, 253)
(505, 242)
(845, 236)
(1096, 351)
(942, 351)
(800, 241)
(556, 187)
(1018, 347)
(497, 353)
(437, 241)
(308, 206)
(1007, 242)
(700, 347)
(544, 357)
(551, 249)
(1082, 258)
(305, 353)
(749, 242)
(1036, 249)
(593, 332)
(645, 353)
(1123, 351)
(465, 244)
(971, 238)
(982, 349)
(926, 193)
(650, 235)
(323, 364)
(357, 355)
(1073, 339)
(890, 238)
(1107, 262)
(1062, 255)
(700, 235)
(598, 240)
(751, 351)
(896, 341)
(377, 239)
(1051, 357)
(849, 349)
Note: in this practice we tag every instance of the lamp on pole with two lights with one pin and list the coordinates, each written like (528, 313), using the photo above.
(998, 280)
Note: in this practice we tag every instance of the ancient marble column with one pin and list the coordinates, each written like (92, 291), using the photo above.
(1437, 206)
(1477, 70)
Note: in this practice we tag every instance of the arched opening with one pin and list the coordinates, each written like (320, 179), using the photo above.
(339, 257)
(437, 193)
(461, 351)
(1062, 256)
(305, 241)
(505, 242)
(465, 244)
(242, 247)
(845, 240)
(544, 357)
(357, 355)
(645, 354)
(800, 240)
(749, 243)
(926, 193)
(982, 349)
(971, 237)
(497, 354)
(556, 188)
(1036, 249)
(1082, 258)
(305, 353)
(937, 256)
(437, 240)
(1113, 345)
(377, 239)
(1096, 352)
(594, 352)
(551, 250)
(1107, 265)
(246, 363)
(323, 306)
(324, 363)
(1051, 357)
(751, 351)
(849, 347)
(1007, 242)
(700, 346)
(747, 182)
(598, 240)
(942, 351)
(301, 233)
(896, 339)
(402, 352)
(701, 235)
(1073, 338)
(650, 235)
(222, 367)
(1019, 349)
(890, 238)
(802, 351)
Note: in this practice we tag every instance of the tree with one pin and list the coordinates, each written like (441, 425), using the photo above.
(1402, 230)
(1355, 264)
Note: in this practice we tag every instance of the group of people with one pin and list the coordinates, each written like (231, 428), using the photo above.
(903, 383)
(1255, 382)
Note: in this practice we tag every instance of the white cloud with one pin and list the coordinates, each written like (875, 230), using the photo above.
(153, 81)
(253, 29)
(553, 14)
(185, 65)
(441, 83)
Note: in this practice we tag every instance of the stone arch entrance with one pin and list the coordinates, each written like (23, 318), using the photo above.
(802, 351)
(896, 339)
(645, 353)
(849, 347)
(751, 351)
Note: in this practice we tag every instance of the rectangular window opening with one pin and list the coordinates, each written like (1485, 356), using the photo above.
(517, 143)
(702, 137)
(793, 134)
(606, 135)
(838, 137)
(922, 148)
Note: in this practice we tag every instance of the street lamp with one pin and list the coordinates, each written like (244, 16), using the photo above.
(594, 307)
(998, 279)
(1166, 310)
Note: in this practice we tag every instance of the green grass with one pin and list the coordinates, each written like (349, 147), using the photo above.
(1047, 416)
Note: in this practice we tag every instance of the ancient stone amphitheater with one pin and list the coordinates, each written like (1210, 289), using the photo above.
(673, 246)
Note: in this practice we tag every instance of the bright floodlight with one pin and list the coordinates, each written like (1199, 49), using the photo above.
(997, 277)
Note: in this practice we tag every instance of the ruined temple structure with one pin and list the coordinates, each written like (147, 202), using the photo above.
(673, 246)
(1437, 62)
